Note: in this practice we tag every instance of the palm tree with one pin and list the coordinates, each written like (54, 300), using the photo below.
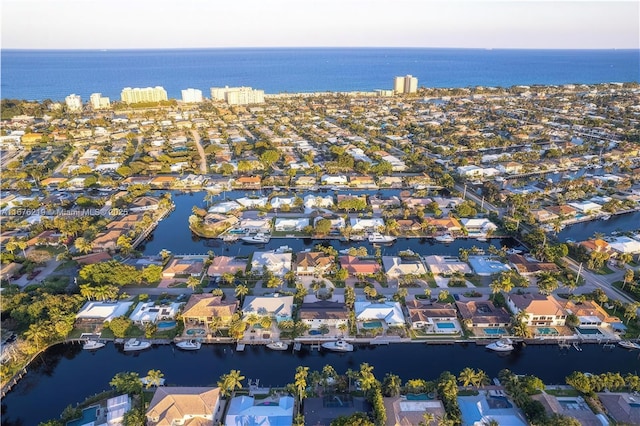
(192, 282)
(230, 382)
(481, 379)
(628, 277)
(87, 291)
(367, 379)
(241, 291)
(467, 376)
(215, 324)
(154, 378)
(427, 418)
(83, 245)
(252, 319)
(228, 278)
(300, 383)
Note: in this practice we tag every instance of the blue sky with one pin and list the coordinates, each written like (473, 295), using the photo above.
(111, 24)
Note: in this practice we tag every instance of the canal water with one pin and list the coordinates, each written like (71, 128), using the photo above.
(66, 374)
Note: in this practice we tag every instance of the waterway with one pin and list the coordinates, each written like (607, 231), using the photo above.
(66, 374)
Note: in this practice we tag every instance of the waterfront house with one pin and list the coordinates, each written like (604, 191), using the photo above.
(437, 318)
(248, 182)
(201, 309)
(563, 211)
(482, 314)
(387, 311)
(390, 182)
(543, 215)
(589, 313)
(253, 202)
(362, 182)
(277, 263)
(624, 408)
(445, 224)
(446, 265)
(334, 180)
(598, 245)
(184, 267)
(337, 222)
(163, 182)
(528, 267)
(184, 405)
(312, 263)
(479, 409)
(323, 312)
(540, 309)
(356, 266)
(221, 265)
(94, 313)
(275, 306)
(317, 201)
(290, 224)
(572, 406)
(150, 313)
(224, 207)
(404, 412)
(586, 207)
(395, 267)
(143, 204)
(409, 225)
(246, 410)
(305, 181)
(478, 227)
(624, 244)
(366, 224)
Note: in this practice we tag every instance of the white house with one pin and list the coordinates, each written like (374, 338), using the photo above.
(389, 312)
(279, 202)
(275, 306)
(149, 313)
(586, 207)
(366, 224)
(284, 224)
(277, 263)
(224, 207)
(312, 201)
(625, 245)
(480, 226)
(103, 311)
(394, 267)
(253, 202)
(541, 310)
(245, 410)
(334, 180)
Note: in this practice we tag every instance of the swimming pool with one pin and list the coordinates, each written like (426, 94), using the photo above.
(372, 324)
(314, 332)
(420, 396)
(166, 325)
(447, 325)
(590, 331)
(494, 331)
(89, 415)
(547, 331)
(196, 332)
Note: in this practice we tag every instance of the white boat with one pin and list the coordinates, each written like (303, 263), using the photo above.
(338, 346)
(445, 238)
(278, 346)
(502, 345)
(189, 345)
(628, 344)
(605, 217)
(357, 237)
(91, 345)
(514, 251)
(258, 238)
(377, 237)
(136, 345)
(230, 238)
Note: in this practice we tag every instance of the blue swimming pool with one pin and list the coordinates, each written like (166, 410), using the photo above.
(89, 415)
(547, 331)
(372, 324)
(196, 331)
(166, 325)
(314, 332)
(445, 325)
(420, 396)
(495, 331)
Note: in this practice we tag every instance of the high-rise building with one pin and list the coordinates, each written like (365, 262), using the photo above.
(406, 84)
(98, 101)
(237, 95)
(146, 94)
(74, 102)
(192, 96)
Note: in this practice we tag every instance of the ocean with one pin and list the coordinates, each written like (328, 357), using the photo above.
(54, 74)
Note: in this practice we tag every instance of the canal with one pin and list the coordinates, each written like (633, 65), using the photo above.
(66, 374)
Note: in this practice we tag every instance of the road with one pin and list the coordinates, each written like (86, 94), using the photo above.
(203, 156)
(603, 282)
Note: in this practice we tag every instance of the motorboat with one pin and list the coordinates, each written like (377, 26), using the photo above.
(514, 251)
(605, 217)
(338, 346)
(628, 344)
(278, 346)
(136, 345)
(376, 237)
(502, 345)
(189, 345)
(258, 238)
(445, 238)
(92, 345)
(357, 237)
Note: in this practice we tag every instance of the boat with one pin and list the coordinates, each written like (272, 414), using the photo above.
(338, 346)
(136, 345)
(189, 345)
(278, 346)
(502, 345)
(91, 345)
(357, 237)
(258, 238)
(230, 238)
(514, 251)
(628, 344)
(605, 217)
(376, 237)
(445, 238)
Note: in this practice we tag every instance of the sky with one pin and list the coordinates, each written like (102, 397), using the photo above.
(118, 24)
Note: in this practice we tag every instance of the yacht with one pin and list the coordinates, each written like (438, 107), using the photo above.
(278, 346)
(91, 345)
(445, 238)
(338, 346)
(628, 344)
(514, 251)
(502, 345)
(258, 238)
(189, 345)
(136, 345)
(376, 237)
(605, 217)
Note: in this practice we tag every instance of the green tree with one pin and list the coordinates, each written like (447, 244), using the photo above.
(391, 385)
(154, 378)
(83, 245)
(126, 382)
(300, 382)
(467, 376)
(119, 326)
(230, 382)
(241, 291)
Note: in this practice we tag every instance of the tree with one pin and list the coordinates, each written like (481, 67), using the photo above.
(241, 291)
(443, 295)
(467, 376)
(300, 382)
(124, 244)
(230, 382)
(322, 227)
(391, 385)
(547, 283)
(83, 245)
(126, 382)
(154, 378)
(427, 418)
(192, 282)
(629, 274)
(366, 377)
(356, 419)
(119, 326)
(135, 417)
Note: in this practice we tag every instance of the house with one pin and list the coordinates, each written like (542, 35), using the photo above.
(316, 201)
(143, 204)
(433, 317)
(445, 224)
(184, 405)
(526, 267)
(275, 306)
(366, 224)
(540, 309)
(586, 207)
(569, 407)
(224, 207)
(589, 313)
(48, 238)
(446, 265)
(277, 263)
(246, 410)
(201, 309)
(389, 312)
(312, 263)
(252, 203)
(563, 211)
(396, 267)
(333, 180)
(248, 182)
(117, 407)
(323, 312)
(305, 181)
(621, 407)
(403, 412)
(336, 222)
(625, 244)
(290, 224)
(409, 225)
(183, 266)
(150, 313)
(357, 266)
(482, 314)
(478, 227)
(479, 409)
(362, 182)
(543, 215)
(597, 245)
(221, 265)
(390, 182)
(95, 313)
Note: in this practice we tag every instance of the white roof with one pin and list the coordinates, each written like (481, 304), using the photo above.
(278, 263)
(625, 245)
(263, 305)
(390, 312)
(105, 311)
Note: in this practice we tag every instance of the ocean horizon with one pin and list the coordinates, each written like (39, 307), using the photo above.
(53, 74)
